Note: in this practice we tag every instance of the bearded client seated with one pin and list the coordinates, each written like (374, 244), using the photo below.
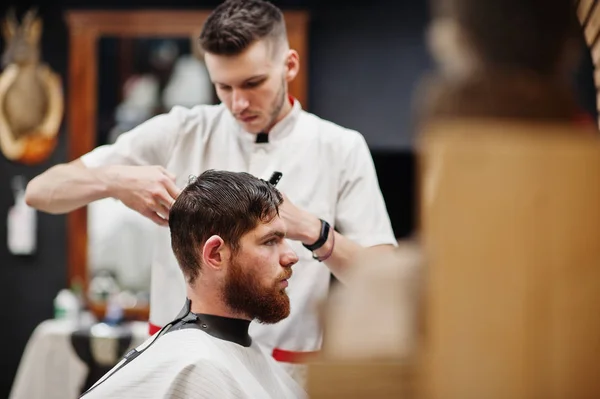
(229, 241)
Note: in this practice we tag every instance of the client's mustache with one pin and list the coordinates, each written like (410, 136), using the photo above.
(285, 275)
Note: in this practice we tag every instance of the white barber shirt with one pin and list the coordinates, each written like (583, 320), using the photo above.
(327, 170)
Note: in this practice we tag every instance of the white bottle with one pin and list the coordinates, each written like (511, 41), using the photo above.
(66, 305)
(21, 223)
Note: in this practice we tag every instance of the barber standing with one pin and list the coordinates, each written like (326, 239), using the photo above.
(328, 175)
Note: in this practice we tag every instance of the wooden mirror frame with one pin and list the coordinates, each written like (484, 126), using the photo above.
(85, 30)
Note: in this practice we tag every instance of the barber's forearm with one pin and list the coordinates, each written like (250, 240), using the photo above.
(340, 252)
(66, 187)
(344, 253)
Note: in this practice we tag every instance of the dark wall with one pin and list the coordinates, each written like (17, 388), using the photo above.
(364, 64)
(29, 284)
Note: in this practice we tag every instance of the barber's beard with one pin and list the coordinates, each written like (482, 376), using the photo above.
(244, 294)
(277, 105)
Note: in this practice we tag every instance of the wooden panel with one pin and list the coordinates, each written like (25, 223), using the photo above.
(137, 313)
(82, 132)
(360, 379)
(138, 23)
(297, 25)
(156, 23)
(510, 227)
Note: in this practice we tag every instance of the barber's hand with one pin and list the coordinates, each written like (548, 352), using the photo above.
(149, 190)
(301, 225)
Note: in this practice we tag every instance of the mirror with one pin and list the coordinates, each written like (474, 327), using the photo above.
(138, 78)
(125, 67)
(144, 76)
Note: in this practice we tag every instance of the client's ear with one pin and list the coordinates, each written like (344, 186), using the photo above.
(213, 253)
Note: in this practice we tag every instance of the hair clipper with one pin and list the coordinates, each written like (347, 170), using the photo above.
(275, 177)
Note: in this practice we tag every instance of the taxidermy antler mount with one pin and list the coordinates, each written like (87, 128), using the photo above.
(31, 96)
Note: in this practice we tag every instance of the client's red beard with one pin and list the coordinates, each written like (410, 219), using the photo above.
(243, 293)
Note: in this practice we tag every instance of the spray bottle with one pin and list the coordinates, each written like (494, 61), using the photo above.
(22, 222)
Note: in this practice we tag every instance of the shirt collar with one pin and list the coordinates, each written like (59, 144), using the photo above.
(280, 130)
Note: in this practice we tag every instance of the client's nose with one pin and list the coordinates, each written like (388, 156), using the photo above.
(288, 257)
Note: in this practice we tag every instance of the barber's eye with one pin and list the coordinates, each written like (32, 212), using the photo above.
(253, 84)
(271, 242)
(225, 88)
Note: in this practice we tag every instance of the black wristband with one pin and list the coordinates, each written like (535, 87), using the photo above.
(325, 227)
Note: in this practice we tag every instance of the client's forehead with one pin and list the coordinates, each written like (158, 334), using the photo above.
(275, 226)
(256, 60)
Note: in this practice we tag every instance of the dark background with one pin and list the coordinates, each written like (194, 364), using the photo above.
(364, 63)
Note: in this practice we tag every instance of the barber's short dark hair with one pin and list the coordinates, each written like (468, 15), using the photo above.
(235, 24)
(524, 34)
(227, 204)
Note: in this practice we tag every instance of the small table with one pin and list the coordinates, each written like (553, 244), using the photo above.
(51, 367)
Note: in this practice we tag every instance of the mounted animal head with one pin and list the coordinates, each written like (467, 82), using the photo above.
(21, 41)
